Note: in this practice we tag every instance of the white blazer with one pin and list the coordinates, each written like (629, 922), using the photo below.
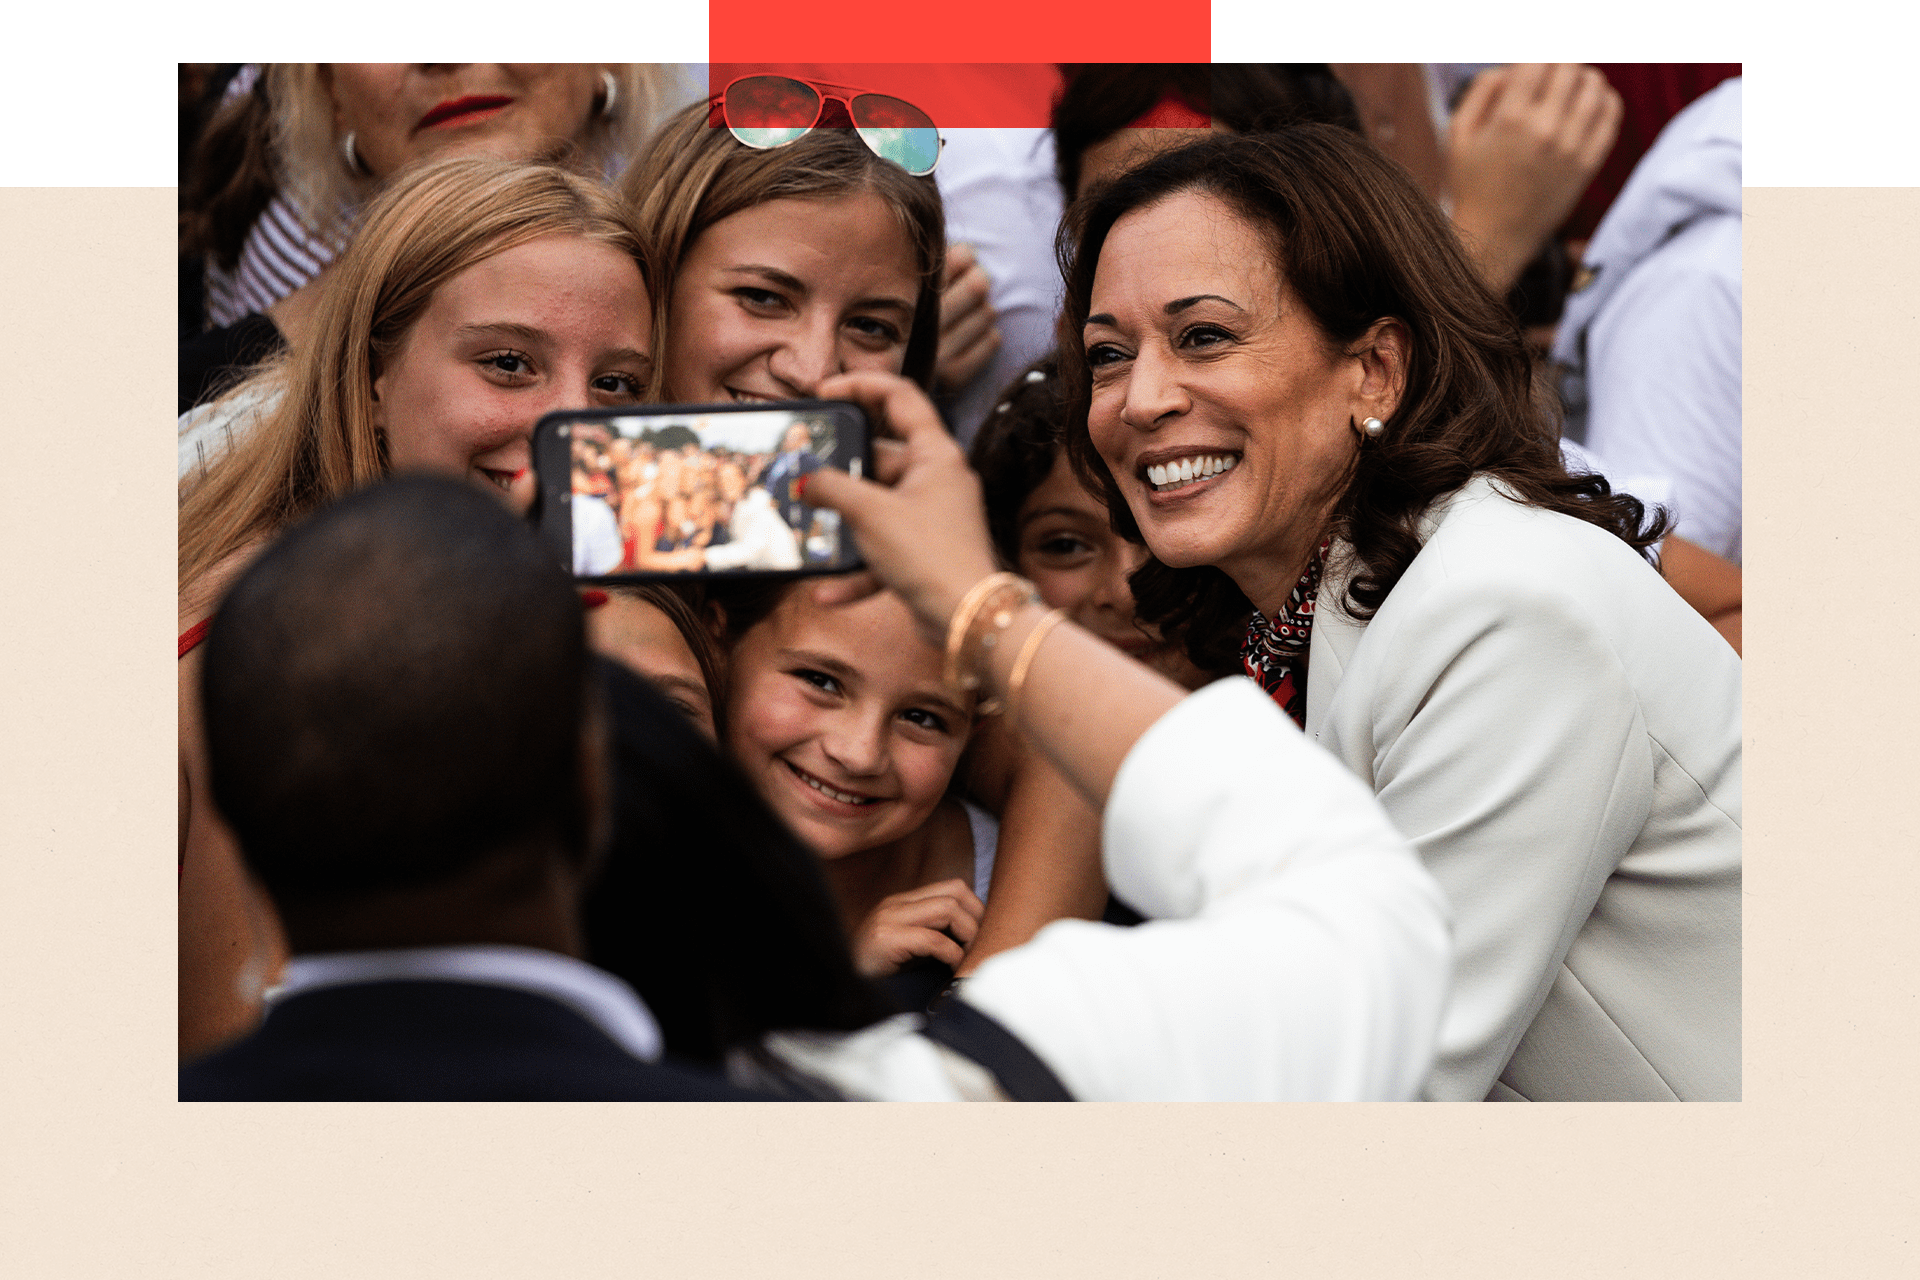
(1298, 950)
(1558, 734)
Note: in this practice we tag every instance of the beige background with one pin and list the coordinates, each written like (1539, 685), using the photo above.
(101, 1174)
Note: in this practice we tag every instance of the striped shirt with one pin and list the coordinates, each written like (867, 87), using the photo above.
(281, 254)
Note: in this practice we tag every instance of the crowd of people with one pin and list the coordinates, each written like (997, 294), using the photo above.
(646, 505)
(1303, 667)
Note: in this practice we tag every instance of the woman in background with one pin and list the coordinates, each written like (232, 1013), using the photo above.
(276, 184)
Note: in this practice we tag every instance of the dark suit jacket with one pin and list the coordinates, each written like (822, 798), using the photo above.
(437, 1040)
(787, 468)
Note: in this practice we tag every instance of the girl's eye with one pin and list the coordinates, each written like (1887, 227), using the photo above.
(818, 679)
(1063, 546)
(619, 384)
(924, 719)
(759, 299)
(510, 363)
(1104, 353)
(875, 330)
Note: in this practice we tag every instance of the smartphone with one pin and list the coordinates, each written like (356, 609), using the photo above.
(674, 490)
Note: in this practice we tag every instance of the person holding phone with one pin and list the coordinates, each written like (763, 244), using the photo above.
(1048, 526)
(1297, 950)
(478, 296)
(756, 535)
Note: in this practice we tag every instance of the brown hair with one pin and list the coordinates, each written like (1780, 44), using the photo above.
(1015, 449)
(687, 608)
(315, 439)
(1356, 242)
(229, 178)
(694, 173)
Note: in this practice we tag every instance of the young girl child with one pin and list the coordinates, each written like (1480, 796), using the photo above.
(842, 718)
(1053, 530)
(477, 296)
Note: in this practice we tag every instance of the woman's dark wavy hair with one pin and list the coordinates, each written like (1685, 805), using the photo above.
(1356, 242)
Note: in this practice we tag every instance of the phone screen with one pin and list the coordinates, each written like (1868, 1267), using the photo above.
(696, 489)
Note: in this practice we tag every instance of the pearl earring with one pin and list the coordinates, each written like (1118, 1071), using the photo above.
(1373, 426)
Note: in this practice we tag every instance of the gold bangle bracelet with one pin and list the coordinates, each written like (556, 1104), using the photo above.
(962, 622)
(1024, 659)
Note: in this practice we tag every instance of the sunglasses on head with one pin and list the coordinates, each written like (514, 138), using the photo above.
(768, 111)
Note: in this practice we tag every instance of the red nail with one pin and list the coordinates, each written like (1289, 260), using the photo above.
(800, 487)
(592, 599)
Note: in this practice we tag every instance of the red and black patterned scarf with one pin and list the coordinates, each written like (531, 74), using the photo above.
(1274, 651)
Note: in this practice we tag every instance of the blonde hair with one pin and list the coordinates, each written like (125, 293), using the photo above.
(694, 173)
(326, 193)
(316, 440)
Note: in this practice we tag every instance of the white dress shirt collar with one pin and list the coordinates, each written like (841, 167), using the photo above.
(594, 994)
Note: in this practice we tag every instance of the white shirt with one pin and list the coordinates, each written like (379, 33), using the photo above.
(1558, 734)
(1657, 333)
(757, 538)
(206, 431)
(1002, 197)
(597, 547)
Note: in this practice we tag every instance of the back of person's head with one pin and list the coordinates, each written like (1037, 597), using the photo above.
(320, 439)
(1100, 99)
(694, 173)
(393, 692)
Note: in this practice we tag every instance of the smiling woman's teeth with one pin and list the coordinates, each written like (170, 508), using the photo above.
(1185, 471)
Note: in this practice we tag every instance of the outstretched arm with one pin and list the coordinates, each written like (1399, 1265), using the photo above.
(1298, 948)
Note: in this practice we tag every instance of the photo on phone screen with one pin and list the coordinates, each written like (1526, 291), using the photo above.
(696, 489)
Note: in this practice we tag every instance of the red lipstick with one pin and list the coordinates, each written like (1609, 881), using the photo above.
(463, 110)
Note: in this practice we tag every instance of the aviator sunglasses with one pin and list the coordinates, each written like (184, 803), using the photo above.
(768, 111)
